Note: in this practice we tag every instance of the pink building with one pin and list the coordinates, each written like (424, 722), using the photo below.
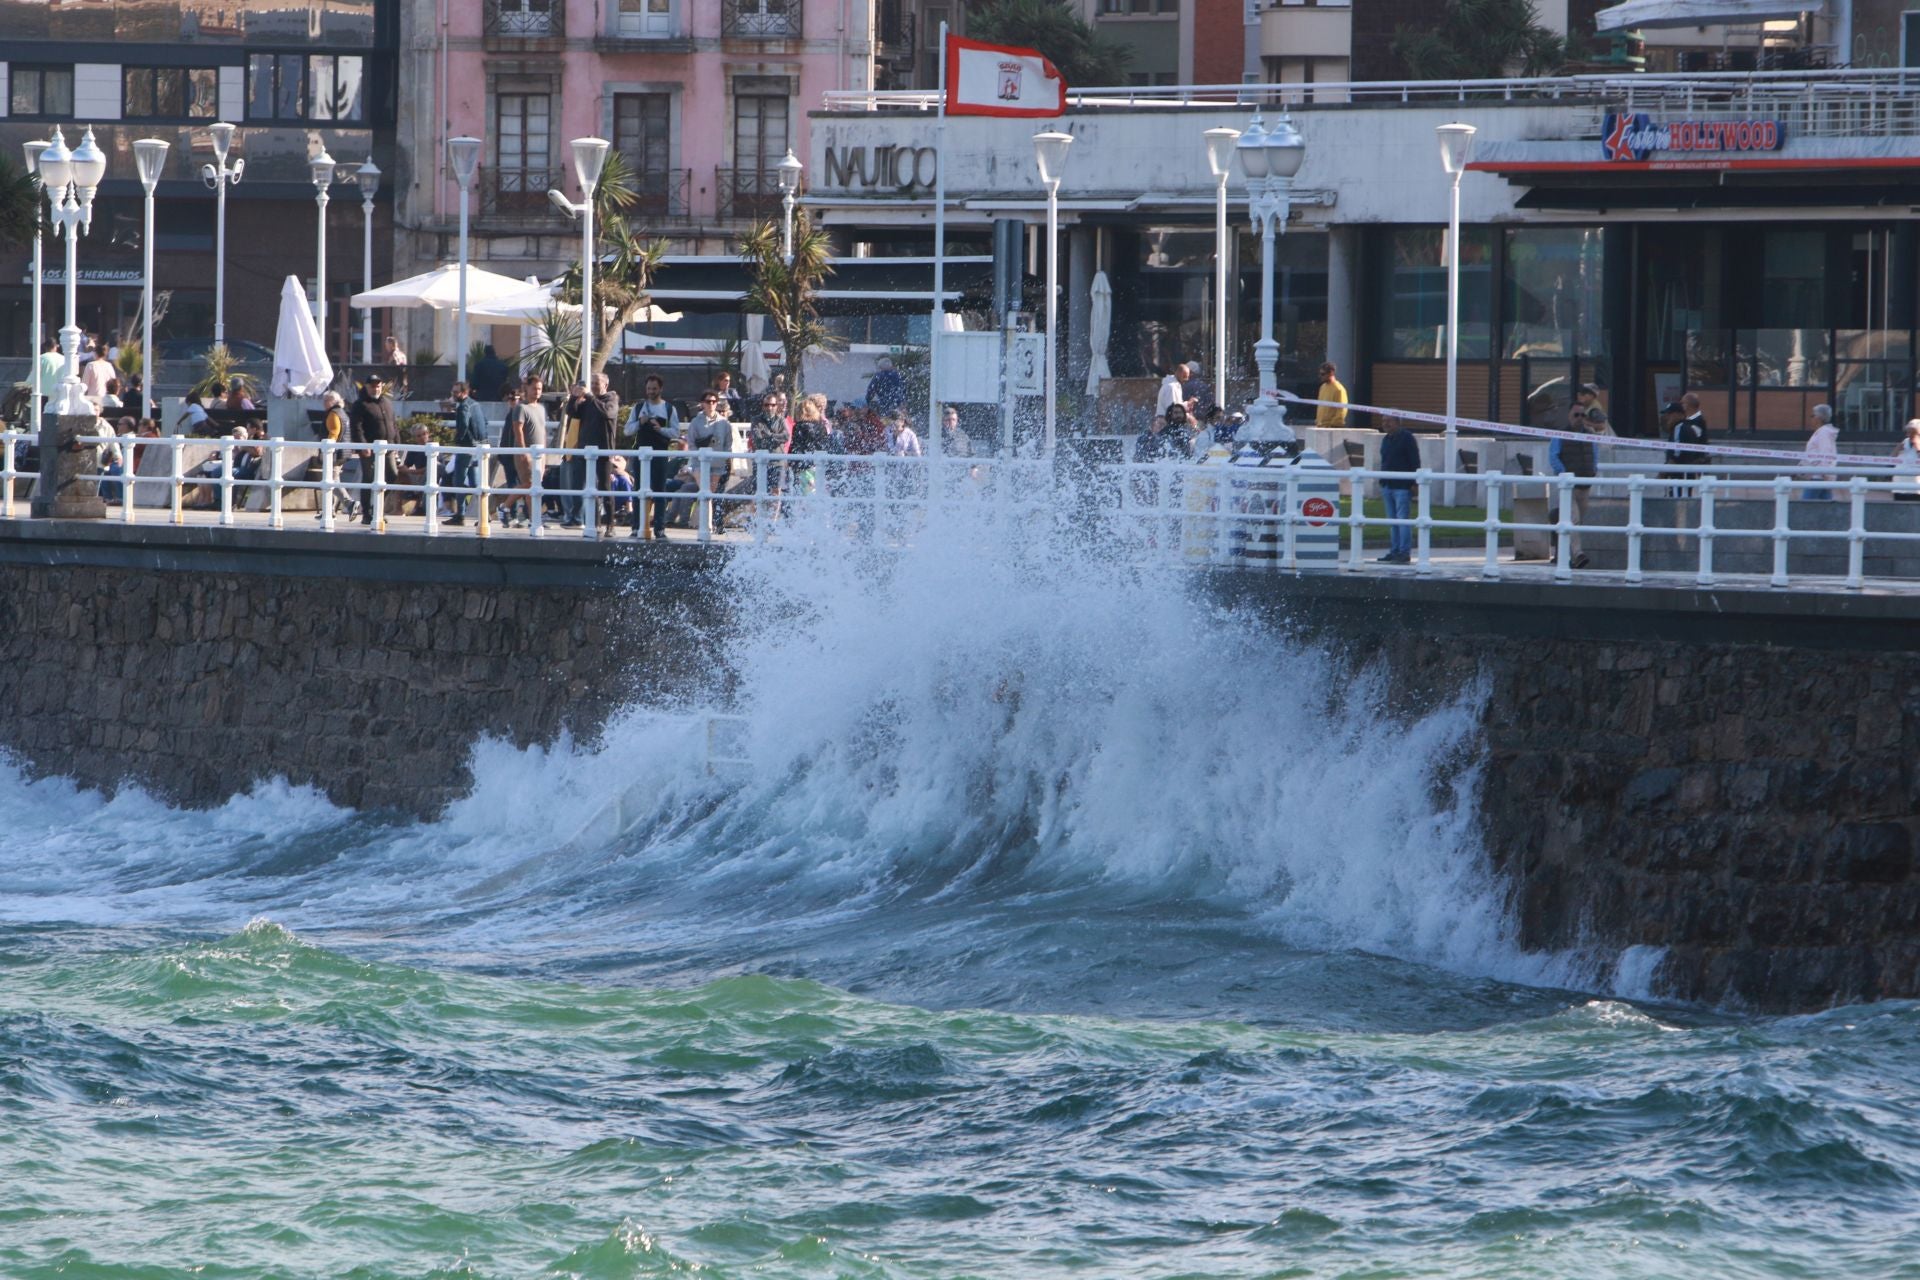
(702, 97)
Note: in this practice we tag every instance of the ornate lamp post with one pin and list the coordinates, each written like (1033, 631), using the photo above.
(321, 166)
(790, 170)
(219, 175)
(1050, 154)
(464, 155)
(589, 156)
(1269, 158)
(150, 154)
(1456, 144)
(70, 179)
(33, 171)
(1220, 144)
(368, 176)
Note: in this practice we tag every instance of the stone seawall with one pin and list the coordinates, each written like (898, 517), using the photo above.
(1724, 774)
(196, 665)
(1728, 775)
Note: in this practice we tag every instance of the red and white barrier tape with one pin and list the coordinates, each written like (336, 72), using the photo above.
(1626, 442)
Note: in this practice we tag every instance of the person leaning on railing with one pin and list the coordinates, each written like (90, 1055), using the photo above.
(1906, 465)
(1577, 458)
(1399, 453)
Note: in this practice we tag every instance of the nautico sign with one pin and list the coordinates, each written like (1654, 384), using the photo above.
(1633, 135)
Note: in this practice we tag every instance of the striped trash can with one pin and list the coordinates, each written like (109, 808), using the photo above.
(1255, 492)
(1316, 531)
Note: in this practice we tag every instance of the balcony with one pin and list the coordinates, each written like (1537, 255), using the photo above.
(523, 19)
(750, 195)
(660, 196)
(760, 19)
(898, 28)
(518, 195)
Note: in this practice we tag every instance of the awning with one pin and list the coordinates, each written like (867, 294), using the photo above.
(1700, 13)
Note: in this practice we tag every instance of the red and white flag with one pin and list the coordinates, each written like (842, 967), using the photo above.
(1001, 80)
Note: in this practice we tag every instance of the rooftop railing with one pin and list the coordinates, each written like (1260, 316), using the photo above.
(1825, 103)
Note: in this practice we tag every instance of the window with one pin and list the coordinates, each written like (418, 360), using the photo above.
(641, 123)
(1553, 296)
(293, 86)
(169, 93)
(41, 91)
(1413, 293)
(760, 106)
(334, 87)
(522, 136)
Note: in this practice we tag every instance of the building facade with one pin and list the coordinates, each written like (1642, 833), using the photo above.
(296, 76)
(1757, 250)
(701, 98)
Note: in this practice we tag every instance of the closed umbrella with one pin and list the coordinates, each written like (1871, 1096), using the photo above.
(300, 364)
(754, 370)
(1099, 330)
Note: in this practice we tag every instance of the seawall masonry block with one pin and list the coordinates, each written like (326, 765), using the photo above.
(1725, 774)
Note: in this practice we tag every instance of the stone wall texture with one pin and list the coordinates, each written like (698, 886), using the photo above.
(196, 684)
(1740, 791)
(1728, 775)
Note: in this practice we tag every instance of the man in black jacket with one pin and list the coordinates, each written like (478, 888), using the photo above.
(1399, 452)
(371, 421)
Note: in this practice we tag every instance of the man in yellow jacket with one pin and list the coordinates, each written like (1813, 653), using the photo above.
(1328, 415)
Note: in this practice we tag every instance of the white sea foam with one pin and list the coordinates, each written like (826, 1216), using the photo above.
(1006, 707)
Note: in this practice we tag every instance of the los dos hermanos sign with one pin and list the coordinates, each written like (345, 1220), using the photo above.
(884, 169)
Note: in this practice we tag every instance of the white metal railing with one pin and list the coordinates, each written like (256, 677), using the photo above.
(1198, 514)
(1879, 101)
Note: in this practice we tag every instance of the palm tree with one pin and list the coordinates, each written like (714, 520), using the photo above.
(624, 264)
(1052, 27)
(784, 292)
(19, 205)
(554, 352)
(1480, 40)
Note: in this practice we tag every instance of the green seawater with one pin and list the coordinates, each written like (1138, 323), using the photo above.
(259, 1105)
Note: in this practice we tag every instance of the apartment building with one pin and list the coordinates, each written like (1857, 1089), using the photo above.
(296, 76)
(702, 98)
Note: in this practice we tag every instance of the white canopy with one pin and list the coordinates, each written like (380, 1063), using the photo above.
(300, 364)
(534, 300)
(440, 289)
(1099, 333)
(1699, 13)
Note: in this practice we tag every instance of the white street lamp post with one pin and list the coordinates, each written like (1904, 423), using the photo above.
(1220, 144)
(464, 155)
(219, 175)
(368, 176)
(70, 179)
(321, 167)
(1269, 158)
(1050, 154)
(150, 154)
(1456, 144)
(33, 171)
(589, 156)
(790, 170)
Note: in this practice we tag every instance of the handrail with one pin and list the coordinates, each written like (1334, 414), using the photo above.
(1198, 514)
(1575, 87)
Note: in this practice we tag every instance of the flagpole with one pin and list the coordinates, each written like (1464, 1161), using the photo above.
(937, 318)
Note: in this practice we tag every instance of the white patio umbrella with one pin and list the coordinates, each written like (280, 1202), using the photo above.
(440, 289)
(754, 370)
(534, 301)
(300, 364)
(1099, 330)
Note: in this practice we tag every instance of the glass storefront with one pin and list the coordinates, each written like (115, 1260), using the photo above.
(1762, 321)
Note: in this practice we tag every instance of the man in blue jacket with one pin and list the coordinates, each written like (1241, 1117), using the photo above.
(1399, 451)
(469, 430)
